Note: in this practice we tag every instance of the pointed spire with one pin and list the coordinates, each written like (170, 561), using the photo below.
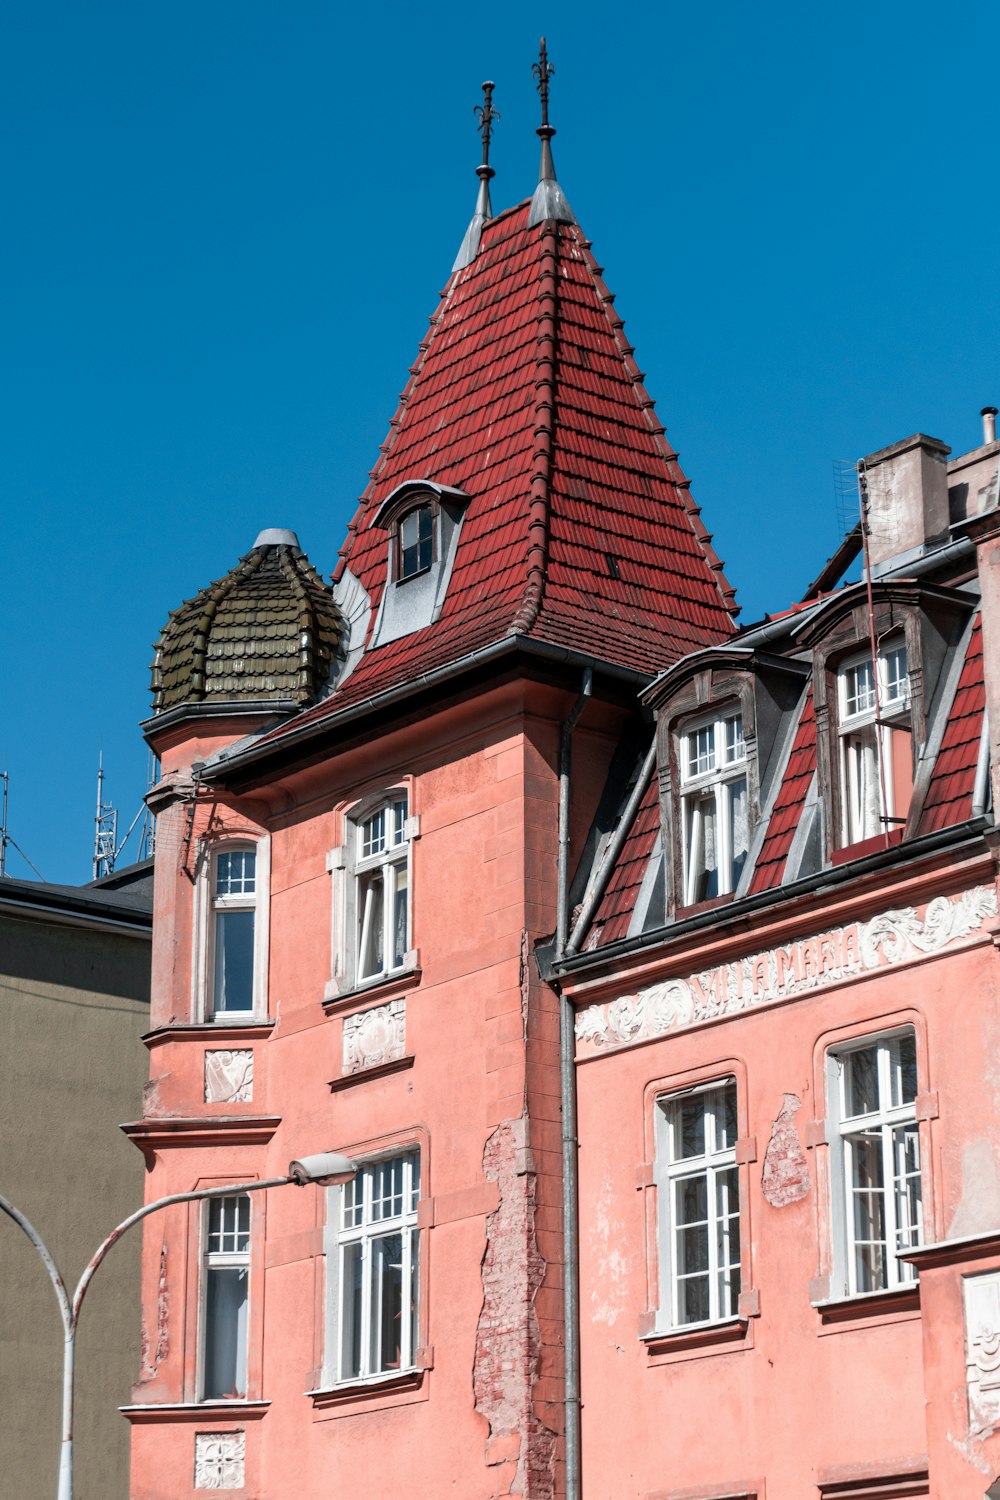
(485, 114)
(549, 201)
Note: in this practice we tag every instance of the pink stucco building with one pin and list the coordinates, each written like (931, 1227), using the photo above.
(508, 823)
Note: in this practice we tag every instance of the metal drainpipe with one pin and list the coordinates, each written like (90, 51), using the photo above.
(981, 786)
(567, 1083)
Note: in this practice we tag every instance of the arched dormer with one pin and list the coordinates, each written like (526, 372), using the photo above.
(422, 520)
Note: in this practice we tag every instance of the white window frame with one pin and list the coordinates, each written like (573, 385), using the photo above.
(352, 869)
(712, 1166)
(203, 947)
(709, 768)
(882, 706)
(211, 1260)
(882, 1123)
(360, 1236)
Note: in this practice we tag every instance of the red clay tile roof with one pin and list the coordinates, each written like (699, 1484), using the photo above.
(952, 783)
(580, 531)
(770, 865)
(615, 911)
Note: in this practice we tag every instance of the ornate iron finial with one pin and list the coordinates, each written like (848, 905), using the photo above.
(486, 114)
(543, 71)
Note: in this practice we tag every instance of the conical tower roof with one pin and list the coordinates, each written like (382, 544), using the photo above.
(265, 635)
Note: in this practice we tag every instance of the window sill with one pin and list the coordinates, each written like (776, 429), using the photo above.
(196, 1411)
(386, 986)
(228, 1030)
(870, 1307)
(709, 1338)
(864, 847)
(697, 907)
(379, 1070)
(395, 1388)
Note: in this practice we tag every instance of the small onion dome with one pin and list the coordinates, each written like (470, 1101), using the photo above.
(265, 634)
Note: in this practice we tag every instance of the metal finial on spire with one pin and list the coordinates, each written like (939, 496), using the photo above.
(548, 201)
(542, 71)
(486, 115)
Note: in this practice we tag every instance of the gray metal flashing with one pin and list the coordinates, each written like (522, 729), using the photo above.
(74, 906)
(469, 248)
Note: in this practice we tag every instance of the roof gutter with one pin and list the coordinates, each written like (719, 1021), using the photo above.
(740, 914)
(259, 754)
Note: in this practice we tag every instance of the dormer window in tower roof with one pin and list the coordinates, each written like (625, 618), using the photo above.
(423, 520)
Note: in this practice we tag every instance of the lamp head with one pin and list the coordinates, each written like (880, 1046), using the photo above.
(325, 1167)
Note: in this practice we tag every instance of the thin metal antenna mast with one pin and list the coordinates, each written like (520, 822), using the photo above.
(5, 837)
(3, 827)
(105, 829)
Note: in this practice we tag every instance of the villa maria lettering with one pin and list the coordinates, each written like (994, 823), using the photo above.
(777, 974)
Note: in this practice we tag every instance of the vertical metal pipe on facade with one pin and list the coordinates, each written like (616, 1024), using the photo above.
(567, 1089)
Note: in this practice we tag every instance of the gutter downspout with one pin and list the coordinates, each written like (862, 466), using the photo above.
(567, 1090)
(981, 786)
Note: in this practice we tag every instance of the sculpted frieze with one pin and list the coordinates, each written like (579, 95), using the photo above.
(776, 974)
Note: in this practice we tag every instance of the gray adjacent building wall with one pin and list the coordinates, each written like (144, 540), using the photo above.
(74, 1003)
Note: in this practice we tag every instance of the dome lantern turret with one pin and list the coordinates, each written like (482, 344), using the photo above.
(263, 637)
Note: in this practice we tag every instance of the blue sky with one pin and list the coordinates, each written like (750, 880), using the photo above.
(228, 223)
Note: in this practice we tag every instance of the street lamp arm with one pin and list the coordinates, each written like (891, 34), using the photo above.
(57, 1282)
(149, 1208)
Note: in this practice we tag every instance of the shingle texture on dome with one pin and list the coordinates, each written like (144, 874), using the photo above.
(266, 632)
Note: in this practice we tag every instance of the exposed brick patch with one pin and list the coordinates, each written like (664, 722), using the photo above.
(520, 1448)
(785, 1178)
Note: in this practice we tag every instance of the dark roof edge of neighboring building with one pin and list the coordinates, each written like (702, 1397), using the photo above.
(99, 906)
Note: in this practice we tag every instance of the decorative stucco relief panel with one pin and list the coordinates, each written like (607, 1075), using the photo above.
(981, 1297)
(229, 1077)
(375, 1036)
(219, 1460)
(776, 974)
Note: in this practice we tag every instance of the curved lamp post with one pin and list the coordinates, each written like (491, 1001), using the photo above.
(325, 1167)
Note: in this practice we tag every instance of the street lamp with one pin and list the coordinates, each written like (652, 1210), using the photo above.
(325, 1167)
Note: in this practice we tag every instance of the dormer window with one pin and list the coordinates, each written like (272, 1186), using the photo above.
(423, 520)
(415, 542)
(714, 813)
(876, 776)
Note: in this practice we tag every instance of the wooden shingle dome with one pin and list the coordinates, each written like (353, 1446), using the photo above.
(266, 634)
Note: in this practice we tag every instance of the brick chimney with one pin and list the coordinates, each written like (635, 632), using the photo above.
(907, 498)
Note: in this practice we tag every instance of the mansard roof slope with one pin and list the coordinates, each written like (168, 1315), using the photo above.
(944, 796)
(580, 532)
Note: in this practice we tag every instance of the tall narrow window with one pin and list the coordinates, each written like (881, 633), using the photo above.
(875, 743)
(877, 1161)
(225, 1289)
(714, 806)
(234, 897)
(415, 542)
(698, 1185)
(382, 896)
(376, 1266)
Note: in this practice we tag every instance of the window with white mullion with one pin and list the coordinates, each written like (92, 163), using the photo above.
(377, 1270)
(880, 1152)
(714, 828)
(382, 883)
(869, 694)
(225, 1293)
(700, 1228)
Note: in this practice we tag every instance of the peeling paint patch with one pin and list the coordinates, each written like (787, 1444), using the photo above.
(150, 1365)
(508, 1342)
(785, 1178)
(609, 1300)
